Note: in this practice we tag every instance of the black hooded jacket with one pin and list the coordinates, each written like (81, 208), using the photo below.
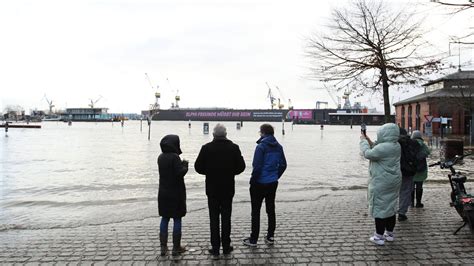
(410, 148)
(172, 191)
(220, 160)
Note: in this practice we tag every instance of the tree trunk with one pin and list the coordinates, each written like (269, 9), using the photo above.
(386, 99)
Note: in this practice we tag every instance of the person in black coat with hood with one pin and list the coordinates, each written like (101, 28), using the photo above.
(171, 192)
(220, 160)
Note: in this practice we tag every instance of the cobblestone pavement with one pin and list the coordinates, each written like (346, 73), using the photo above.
(321, 227)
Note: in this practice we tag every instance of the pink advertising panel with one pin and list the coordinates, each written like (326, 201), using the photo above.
(306, 114)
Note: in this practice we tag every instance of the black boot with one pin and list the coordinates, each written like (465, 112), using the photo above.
(419, 195)
(163, 243)
(177, 248)
(413, 198)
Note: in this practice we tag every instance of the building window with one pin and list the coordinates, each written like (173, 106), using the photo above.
(417, 116)
(403, 117)
(410, 121)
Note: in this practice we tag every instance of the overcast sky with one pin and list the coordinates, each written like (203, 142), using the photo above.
(217, 53)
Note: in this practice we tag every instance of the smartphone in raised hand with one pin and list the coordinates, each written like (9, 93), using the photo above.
(363, 129)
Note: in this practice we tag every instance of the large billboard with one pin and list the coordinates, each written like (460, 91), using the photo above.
(301, 114)
(220, 115)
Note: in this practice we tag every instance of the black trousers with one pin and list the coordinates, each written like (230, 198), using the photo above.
(384, 224)
(220, 207)
(259, 192)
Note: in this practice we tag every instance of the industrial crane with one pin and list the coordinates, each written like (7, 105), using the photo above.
(270, 96)
(156, 105)
(280, 106)
(91, 105)
(347, 102)
(50, 104)
(336, 102)
(176, 98)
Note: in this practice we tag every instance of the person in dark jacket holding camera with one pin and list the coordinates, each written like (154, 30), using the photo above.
(269, 164)
(171, 192)
(220, 160)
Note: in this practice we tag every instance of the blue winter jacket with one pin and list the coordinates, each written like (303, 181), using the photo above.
(269, 161)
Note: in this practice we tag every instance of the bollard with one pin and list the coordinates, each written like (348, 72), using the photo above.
(283, 126)
(149, 126)
(450, 148)
(205, 128)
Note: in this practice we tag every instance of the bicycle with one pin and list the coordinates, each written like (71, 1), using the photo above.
(462, 201)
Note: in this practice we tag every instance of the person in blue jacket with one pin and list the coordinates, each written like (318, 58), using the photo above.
(269, 163)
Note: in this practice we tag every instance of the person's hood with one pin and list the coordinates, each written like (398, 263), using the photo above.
(268, 140)
(170, 143)
(388, 133)
(416, 135)
(403, 132)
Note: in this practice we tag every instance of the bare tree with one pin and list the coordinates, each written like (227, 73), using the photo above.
(458, 6)
(371, 47)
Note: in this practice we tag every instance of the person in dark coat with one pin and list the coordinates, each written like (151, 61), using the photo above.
(269, 164)
(408, 168)
(220, 160)
(172, 192)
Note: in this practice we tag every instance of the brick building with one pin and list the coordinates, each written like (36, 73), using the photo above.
(450, 97)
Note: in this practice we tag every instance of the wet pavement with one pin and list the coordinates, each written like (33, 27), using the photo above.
(321, 226)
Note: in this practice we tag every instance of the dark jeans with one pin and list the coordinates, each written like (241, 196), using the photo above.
(259, 192)
(404, 199)
(384, 224)
(220, 207)
(164, 225)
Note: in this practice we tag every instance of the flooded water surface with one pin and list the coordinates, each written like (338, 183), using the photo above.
(97, 173)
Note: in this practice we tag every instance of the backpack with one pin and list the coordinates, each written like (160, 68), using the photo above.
(409, 159)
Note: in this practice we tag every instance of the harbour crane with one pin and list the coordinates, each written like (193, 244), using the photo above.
(290, 106)
(336, 102)
(50, 104)
(177, 98)
(347, 102)
(92, 104)
(156, 105)
(270, 96)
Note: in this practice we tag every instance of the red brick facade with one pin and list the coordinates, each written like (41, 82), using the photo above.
(416, 121)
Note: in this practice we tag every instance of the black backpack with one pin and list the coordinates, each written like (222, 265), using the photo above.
(409, 159)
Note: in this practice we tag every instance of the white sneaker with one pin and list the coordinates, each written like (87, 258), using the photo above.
(377, 239)
(389, 236)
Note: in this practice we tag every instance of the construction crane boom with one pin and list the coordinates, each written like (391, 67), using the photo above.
(336, 102)
(270, 96)
(92, 104)
(156, 105)
(50, 104)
